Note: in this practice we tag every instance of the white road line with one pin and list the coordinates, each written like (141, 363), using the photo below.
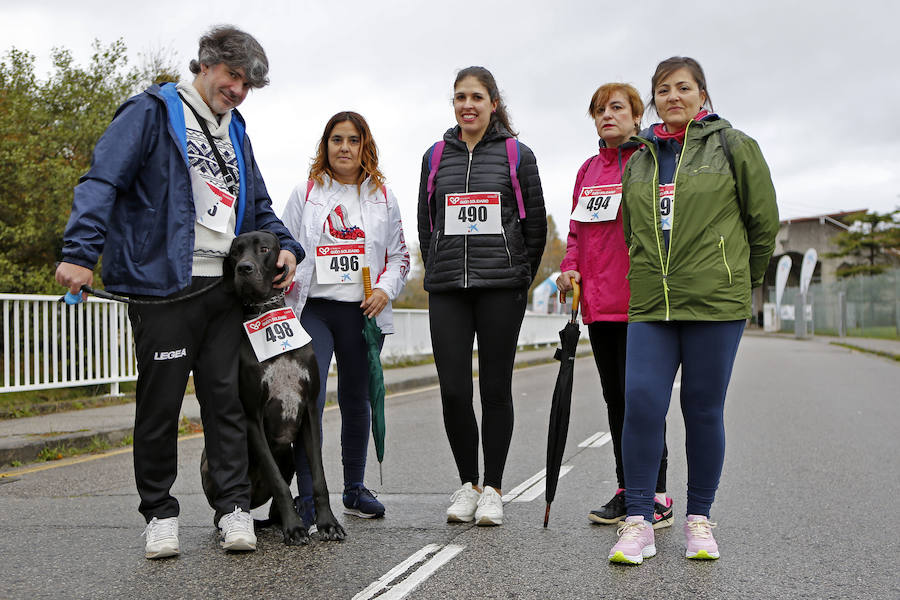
(601, 440)
(511, 494)
(383, 581)
(402, 589)
(590, 440)
(538, 488)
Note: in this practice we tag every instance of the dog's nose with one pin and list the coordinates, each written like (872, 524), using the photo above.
(245, 268)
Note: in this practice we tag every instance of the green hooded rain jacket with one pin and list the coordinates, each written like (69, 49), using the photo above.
(723, 228)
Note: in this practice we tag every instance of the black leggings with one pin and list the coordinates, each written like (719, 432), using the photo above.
(495, 317)
(608, 343)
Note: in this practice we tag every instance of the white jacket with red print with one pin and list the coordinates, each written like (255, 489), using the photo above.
(385, 245)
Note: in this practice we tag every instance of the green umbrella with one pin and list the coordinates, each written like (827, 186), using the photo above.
(373, 336)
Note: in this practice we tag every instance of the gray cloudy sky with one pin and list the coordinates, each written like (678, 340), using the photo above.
(815, 83)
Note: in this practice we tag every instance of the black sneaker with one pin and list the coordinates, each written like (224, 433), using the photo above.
(360, 502)
(663, 516)
(612, 512)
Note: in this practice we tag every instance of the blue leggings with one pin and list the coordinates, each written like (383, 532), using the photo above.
(705, 350)
(336, 329)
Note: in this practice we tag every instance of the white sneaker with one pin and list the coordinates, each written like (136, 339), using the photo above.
(464, 501)
(236, 531)
(490, 508)
(162, 538)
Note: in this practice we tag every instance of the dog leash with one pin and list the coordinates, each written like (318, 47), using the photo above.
(71, 298)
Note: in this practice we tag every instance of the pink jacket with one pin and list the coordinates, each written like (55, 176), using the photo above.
(598, 250)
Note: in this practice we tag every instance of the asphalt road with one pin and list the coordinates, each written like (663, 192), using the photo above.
(803, 510)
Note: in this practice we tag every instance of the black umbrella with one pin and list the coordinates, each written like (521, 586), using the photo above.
(562, 400)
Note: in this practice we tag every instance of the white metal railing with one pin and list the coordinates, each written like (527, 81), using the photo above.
(412, 333)
(47, 344)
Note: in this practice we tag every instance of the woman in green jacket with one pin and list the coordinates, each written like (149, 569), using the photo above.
(700, 221)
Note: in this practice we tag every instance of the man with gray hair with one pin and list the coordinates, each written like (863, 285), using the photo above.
(172, 182)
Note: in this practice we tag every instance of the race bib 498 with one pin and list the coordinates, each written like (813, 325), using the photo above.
(275, 332)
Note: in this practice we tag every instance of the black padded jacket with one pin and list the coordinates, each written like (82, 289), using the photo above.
(505, 261)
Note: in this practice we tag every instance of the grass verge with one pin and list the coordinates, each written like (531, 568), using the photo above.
(96, 444)
(890, 355)
(16, 405)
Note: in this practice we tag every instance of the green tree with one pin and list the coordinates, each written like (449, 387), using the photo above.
(48, 129)
(873, 238)
(413, 294)
(554, 252)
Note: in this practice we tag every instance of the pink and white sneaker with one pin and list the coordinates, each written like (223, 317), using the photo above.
(636, 542)
(701, 544)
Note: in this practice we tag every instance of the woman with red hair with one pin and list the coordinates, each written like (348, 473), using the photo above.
(597, 258)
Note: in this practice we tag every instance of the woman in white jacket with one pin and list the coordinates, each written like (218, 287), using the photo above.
(345, 218)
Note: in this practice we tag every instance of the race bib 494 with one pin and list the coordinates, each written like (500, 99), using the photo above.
(598, 203)
(275, 332)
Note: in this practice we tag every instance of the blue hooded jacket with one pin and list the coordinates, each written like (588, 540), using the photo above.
(135, 205)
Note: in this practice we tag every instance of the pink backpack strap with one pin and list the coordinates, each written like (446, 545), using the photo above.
(384, 191)
(433, 162)
(309, 187)
(512, 154)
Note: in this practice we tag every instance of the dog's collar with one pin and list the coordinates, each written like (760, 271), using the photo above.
(276, 300)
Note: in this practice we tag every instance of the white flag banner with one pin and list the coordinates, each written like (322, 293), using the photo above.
(781, 277)
(806, 271)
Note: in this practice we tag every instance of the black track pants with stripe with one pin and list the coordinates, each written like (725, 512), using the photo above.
(202, 334)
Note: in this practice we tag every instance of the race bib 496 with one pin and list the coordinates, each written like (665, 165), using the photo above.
(340, 263)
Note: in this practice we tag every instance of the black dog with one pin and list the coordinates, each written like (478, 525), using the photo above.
(279, 399)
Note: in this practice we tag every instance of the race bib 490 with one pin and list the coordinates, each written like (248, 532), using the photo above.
(275, 332)
(474, 213)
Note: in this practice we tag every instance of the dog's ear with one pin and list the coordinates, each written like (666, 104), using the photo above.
(276, 243)
(274, 248)
(228, 267)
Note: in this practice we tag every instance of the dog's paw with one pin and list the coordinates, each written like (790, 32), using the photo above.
(296, 536)
(330, 532)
